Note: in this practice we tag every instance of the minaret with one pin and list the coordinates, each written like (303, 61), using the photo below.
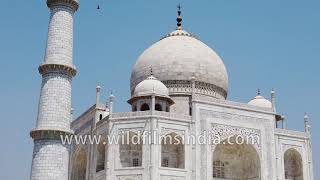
(50, 155)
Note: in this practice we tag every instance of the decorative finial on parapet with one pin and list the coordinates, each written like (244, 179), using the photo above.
(111, 96)
(98, 89)
(111, 99)
(273, 99)
(284, 122)
(307, 126)
(273, 92)
(179, 18)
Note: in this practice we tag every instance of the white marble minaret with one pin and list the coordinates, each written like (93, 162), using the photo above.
(50, 156)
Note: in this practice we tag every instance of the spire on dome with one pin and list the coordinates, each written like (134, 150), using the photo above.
(151, 71)
(179, 18)
(259, 92)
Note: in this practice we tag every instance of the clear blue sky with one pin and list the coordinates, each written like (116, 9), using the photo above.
(266, 44)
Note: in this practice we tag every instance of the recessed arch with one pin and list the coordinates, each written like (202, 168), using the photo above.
(101, 153)
(158, 107)
(130, 150)
(79, 166)
(145, 107)
(235, 161)
(293, 165)
(172, 151)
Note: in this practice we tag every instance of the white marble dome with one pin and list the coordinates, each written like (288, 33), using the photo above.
(180, 56)
(260, 101)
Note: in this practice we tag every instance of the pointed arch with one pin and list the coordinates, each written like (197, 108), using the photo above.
(158, 107)
(293, 165)
(172, 151)
(101, 153)
(236, 161)
(131, 150)
(79, 166)
(145, 107)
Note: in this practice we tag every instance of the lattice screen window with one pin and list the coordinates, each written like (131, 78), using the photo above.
(135, 162)
(218, 169)
(165, 162)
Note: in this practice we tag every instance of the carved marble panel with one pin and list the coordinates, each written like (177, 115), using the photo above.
(165, 131)
(169, 177)
(225, 131)
(130, 177)
(227, 116)
(122, 131)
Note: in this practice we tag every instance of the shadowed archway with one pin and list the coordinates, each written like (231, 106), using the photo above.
(79, 166)
(235, 161)
(293, 165)
(172, 151)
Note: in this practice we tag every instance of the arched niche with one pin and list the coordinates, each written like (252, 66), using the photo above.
(172, 151)
(79, 165)
(144, 107)
(293, 165)
(158, 107)
(130, 150)
(101, 153)
(235, 161)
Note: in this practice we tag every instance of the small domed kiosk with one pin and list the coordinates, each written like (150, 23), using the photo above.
(260, 101)
(141, 99)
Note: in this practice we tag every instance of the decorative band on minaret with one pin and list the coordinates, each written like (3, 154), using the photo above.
(50, 155)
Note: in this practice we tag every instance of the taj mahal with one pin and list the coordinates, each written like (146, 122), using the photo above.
(179, 87)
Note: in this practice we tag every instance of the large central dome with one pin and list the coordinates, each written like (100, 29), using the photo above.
(179, 56)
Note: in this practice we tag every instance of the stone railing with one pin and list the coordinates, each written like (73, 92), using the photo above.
(292, 133)
(230, 103)
(235, 179)
(172, 115)
(129, 114)
(124, 115)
